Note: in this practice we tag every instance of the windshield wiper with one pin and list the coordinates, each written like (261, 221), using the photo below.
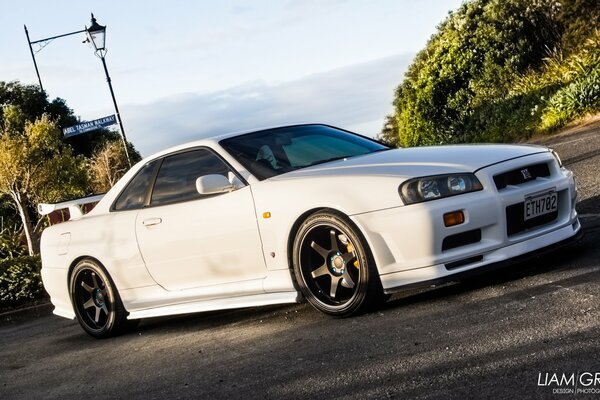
(328, 160)
(339, 158)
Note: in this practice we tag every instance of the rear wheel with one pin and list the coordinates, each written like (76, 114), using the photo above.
(334, 266)
(96, 301)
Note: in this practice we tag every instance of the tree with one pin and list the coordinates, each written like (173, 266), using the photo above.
(33, 103)
(107, 165)
(471, 62)
(389, 133)
(36, 166)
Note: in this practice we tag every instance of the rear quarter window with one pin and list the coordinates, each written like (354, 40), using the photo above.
(134, 195)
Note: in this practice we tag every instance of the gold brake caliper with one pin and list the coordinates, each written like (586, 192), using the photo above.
(350, 249)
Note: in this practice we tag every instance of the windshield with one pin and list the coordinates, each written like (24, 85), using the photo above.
(277, 151)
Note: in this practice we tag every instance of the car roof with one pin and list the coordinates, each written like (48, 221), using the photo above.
(211, 140)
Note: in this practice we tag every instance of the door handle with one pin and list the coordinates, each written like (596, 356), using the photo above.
(152, 221)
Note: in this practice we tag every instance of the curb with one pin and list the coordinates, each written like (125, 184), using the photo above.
(36, 311)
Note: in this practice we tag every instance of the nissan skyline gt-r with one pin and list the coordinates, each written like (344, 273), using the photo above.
(313, 211)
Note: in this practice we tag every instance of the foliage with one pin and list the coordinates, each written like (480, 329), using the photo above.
(7, 213)
(389, 133)
(12, 242)
(497, 70)
(107, 165)
(579, 93)
(36, 166)
(34, 103)
(36, 163)
(581, 18)
(578, 98)
(92, 142)
(20, 280)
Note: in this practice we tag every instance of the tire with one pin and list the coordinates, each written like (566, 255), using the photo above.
(96, 301)
(334, 267)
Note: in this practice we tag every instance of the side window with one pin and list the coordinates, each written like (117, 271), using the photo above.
(176, 179)
(134, 194)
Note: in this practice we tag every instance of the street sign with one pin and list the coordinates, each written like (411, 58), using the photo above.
(89, 126)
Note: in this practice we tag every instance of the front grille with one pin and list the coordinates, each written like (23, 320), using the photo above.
(515, 220)
(461, 239)
(521, 175)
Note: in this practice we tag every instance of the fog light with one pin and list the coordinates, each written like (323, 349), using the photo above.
(454, 218)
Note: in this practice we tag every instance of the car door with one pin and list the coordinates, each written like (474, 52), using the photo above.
(189, 240)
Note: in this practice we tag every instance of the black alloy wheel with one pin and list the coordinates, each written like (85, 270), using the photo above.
(333, 265)
(96, 301)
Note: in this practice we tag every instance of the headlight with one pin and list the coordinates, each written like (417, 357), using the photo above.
(436, 187)
(558, 160)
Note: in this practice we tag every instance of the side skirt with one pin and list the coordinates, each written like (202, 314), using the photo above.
(218, 304)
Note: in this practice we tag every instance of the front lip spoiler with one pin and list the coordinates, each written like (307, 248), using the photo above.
(490, 267)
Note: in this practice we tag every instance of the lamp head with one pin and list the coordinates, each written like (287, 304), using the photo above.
(96, 34)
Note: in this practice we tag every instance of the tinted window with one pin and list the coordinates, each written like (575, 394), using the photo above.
(310, 149)
(277, 151)
(176, 179)
(134, 194)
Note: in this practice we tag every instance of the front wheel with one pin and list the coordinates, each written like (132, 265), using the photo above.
(334, 266)
(96, 301)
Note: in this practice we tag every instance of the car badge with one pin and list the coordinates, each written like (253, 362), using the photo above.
(526, 174)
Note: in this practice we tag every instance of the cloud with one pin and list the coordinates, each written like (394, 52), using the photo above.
(354, 97)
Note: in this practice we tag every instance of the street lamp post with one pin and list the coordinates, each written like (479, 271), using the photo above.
(96, 34)
(33, 57)
(43, 43)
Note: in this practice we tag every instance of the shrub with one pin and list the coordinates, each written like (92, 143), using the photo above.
(500, 71)
(12, 242)
(20, 281)
(454, 84)
(574, 100)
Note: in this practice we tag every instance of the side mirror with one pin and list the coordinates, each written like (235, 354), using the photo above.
(212, 184)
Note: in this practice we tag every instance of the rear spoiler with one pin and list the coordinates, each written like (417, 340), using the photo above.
(76, 207)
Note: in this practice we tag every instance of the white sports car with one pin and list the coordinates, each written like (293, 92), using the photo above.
(269, 216)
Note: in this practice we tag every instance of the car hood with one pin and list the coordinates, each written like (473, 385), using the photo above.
(419, 161)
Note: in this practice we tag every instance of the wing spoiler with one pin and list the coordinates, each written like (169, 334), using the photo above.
(75, 206)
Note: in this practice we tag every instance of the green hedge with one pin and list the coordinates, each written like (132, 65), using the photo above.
(20, 281)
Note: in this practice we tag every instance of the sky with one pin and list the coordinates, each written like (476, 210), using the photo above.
(182, 70)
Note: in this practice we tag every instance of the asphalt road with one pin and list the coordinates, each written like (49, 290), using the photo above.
(489, 337)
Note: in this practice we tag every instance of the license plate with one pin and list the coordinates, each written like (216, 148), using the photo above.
(541, 204)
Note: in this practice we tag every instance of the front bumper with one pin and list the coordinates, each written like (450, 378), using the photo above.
(410, 243)
(502, 258)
